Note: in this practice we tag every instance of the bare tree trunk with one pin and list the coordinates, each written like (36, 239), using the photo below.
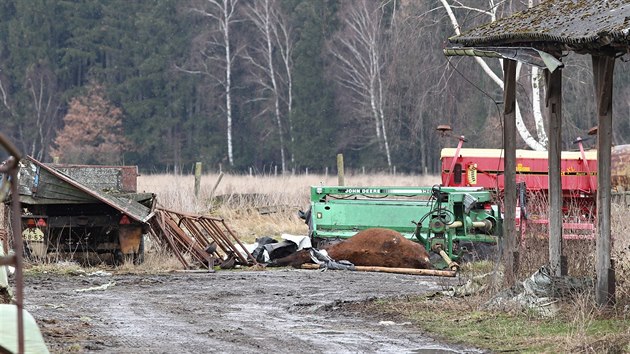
(284, 44)
(538, 117)
(520, 125)
(382, 113)
(360, 55)
(227, 14)
(261, 15)
(536, 90)
(221, 11)
(41, 85)
(272, 75)
(3, 93)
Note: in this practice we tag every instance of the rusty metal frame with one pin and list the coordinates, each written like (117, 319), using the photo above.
(192, 234)
(10, 168)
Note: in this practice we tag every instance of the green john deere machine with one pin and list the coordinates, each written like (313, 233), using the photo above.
(456, 223)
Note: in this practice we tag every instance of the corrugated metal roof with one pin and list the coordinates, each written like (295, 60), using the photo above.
(577, 25)
(60, 188)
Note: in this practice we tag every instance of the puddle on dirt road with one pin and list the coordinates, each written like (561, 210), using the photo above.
(334, 332)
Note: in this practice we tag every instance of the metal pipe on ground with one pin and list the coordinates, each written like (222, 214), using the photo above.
(412, 271)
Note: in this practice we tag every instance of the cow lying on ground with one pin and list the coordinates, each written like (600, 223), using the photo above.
(371, 247)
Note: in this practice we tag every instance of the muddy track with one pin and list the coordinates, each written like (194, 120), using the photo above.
(280, 311)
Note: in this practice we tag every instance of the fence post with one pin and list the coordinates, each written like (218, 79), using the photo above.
(340, 174)
(197, 178)
(216, 184)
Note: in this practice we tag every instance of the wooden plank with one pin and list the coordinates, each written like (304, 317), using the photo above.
(41, 184)
(603, 67)
(554, 111)
(412, 271)
(340, 172)
(509, 146)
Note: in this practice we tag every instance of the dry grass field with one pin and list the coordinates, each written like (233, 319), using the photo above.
(240, 199)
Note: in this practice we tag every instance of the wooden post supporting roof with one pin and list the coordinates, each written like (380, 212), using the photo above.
(554, 108)
(509, 145)
(553, 28)
(603, 67)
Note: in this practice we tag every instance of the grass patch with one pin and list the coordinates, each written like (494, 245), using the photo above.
(473, 268)
(62, 268)
(155, 262)
(456, 321)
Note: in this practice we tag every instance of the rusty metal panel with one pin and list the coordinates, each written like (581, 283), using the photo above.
(130, 237)
(202, 237)
(620, 168)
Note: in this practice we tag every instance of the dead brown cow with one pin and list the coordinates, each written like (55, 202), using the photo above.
(370, 247)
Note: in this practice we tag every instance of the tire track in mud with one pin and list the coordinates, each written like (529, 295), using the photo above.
(280, 311)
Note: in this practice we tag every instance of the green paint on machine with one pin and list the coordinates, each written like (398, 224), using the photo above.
(452, 219)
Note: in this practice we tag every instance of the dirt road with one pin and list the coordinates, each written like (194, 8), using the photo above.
(279, 311)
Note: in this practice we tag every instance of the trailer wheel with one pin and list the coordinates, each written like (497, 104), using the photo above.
(119, 258)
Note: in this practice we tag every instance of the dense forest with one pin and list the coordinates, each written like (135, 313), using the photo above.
(280, 85)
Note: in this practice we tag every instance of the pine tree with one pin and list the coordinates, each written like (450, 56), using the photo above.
(313, 114)
(92, 132)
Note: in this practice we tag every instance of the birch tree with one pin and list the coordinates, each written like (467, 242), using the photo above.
(41, 85)
(4, 96)
(361, 58)
(219, 50)
(539, 144)
(284, 46)
(273, 37)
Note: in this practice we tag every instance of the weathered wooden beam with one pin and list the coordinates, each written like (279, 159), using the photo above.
(197, 178)
(340, 172)
(603, 67)
(554, 109)
(509, 146)
(412, 271)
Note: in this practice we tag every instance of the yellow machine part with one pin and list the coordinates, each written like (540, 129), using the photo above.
(471, 174)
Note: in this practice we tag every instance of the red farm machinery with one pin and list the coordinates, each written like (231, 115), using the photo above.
(468, 167)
